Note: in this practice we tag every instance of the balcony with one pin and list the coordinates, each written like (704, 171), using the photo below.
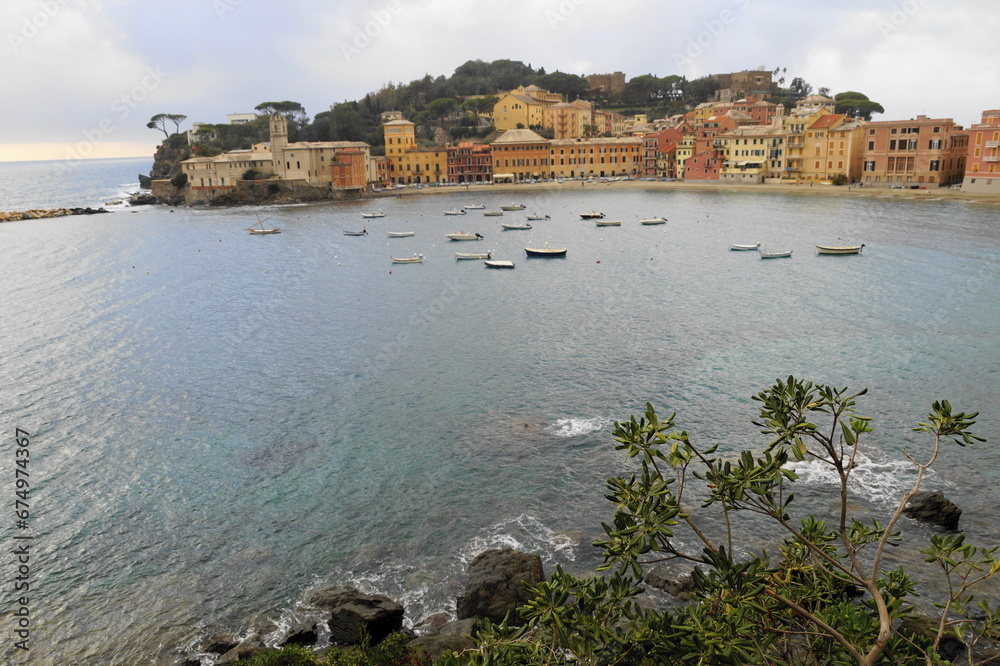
(991, 158)
(992, 144)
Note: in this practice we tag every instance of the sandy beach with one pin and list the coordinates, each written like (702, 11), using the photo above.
(930, 194)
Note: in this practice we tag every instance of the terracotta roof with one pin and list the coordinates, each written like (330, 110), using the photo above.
(398, 122)
(827, 121)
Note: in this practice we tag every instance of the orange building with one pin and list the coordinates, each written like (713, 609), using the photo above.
(981, 172)
(918, 151)
(348, 170)
(603, 157)
(520, 154)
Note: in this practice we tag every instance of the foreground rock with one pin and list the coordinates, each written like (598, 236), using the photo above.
(353, 612)
(37, 214)
(496, 585)
(934, 508)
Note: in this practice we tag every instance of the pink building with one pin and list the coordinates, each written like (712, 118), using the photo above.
(981, 172)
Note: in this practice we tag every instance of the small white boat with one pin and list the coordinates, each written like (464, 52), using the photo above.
(363, 232)
(260, 229)
(493, 213)
(539, 217)
(473, 255)
(653, 220)
(373, 214)
(743, 248)
(767, 254)
(500, 263)
(608, 223)
(399, 234)
(415, 259)
(474, 207)
(512, 207)
(839, 249)
(515, 225)
(460, 211)
(545, 251)
(462, 236)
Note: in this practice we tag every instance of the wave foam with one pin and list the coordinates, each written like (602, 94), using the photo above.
(578, 427)
(881, 482)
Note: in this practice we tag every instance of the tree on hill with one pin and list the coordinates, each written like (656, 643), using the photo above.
(799, 87)
(570, 86)
(857, 105)
(822, 597)
(160, 120)
(441, 107)
(481, 105)
(700, 90)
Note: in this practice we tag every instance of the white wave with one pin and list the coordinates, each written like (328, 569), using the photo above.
(578, 427)
(525, 533)
(882, 482)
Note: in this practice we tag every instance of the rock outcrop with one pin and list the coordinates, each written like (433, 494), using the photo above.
(352, 612)
(496, 584)
(37, 214)
(934, 508)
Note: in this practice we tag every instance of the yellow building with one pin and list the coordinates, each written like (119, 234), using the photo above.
(832, 145)
(567, 121)
(225, 169)
(524, 106)
(752, 153)
(408, 163)
(602, 157)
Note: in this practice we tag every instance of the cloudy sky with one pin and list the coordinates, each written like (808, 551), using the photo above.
(83, 77)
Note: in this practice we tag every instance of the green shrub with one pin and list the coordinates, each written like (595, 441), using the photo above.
(179, 180)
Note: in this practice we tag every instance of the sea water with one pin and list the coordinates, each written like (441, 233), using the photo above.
(220, 422)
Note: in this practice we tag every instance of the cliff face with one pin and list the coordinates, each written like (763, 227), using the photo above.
(168, 156)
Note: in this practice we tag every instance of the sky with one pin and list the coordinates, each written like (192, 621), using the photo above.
(83, 77)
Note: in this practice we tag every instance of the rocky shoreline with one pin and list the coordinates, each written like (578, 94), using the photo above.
(38, 214)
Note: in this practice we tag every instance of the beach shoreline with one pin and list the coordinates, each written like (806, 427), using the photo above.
(930, 194)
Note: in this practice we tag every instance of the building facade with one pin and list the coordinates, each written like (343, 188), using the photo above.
(982, 175)
(919, 151)
(470, 163)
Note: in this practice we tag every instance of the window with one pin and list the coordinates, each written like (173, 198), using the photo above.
(935, 144)
(913, 144)
(870, 165)
(935, 165)
(871, 145)
(892, 145)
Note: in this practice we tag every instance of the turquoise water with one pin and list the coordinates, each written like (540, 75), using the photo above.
(220, 421)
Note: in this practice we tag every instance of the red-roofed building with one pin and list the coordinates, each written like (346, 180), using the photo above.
(832, 145)
(470, 163)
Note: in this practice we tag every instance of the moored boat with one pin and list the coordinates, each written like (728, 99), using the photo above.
(780, 254)
(453, 211)
(592, 216)
(539, 217)
(373, 214)
(399, 234)
(499, 263)
(512, 207)
(545, 251)
(259, 228)
(653, 220)
(415, 259)
(743, 248)
(462, 236)
(473, 206)
(493, 213)
(473, 255)
(608, 223)
(839, 249)
(363, 232)
(515, 225)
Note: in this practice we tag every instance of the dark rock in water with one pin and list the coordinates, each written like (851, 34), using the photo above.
(351, 610)
(437, 644)
(675, 582)
(304, 633)
(244, 650)
(141, 200)
(220, 643)
(496, 584)
(87, 211)
(145, 182)
(934, 508)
